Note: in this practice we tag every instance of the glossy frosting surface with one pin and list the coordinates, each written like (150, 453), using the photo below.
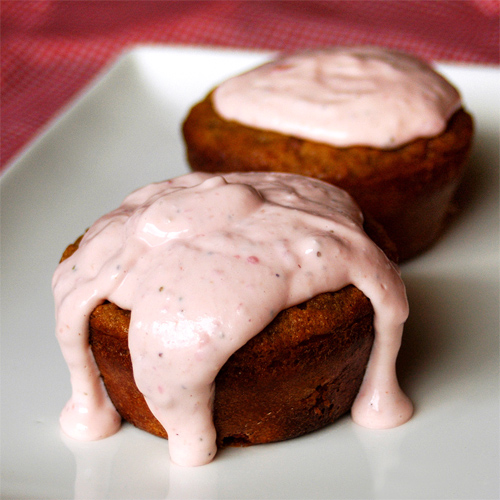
(205, 262)
(344, 96)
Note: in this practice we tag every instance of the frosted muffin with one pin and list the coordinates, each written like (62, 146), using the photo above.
(233, 309)
(382, 125)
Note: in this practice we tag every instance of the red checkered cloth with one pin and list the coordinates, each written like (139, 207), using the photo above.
(51, 49)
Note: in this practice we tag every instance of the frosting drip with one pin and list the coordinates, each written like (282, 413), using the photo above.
(204, 263)
(343, 97)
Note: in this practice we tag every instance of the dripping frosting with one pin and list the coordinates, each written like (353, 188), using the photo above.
(204, 262)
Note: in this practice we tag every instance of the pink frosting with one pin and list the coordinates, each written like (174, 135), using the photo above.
(344, 96)
(204, 263)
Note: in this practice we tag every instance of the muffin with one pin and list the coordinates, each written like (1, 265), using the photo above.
(382, 125)
(302, 372)
(230, 310)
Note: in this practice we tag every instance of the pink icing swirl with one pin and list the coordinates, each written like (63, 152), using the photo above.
(345, 96)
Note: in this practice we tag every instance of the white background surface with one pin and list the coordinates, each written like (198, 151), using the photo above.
(124, 133)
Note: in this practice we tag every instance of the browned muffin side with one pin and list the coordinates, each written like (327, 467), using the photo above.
(300, 373)
(408, 190)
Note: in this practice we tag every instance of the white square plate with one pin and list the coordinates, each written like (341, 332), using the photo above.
(124, 132)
